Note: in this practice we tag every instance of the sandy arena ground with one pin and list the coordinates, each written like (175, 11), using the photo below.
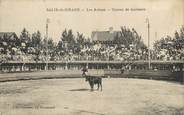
(120, 96)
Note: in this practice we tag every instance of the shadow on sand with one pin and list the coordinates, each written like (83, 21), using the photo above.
(80, 89)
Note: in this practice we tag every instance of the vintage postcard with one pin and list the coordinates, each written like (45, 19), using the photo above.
(91, 57)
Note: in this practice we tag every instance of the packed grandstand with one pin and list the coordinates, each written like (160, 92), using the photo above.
(125, 44)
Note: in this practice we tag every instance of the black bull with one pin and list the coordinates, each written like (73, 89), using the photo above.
(93, 80)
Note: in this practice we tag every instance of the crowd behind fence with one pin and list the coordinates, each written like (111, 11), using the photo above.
(102, 54)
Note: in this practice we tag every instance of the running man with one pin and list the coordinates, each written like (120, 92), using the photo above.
(84, 70)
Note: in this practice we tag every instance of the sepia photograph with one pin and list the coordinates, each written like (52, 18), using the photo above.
(91, 57)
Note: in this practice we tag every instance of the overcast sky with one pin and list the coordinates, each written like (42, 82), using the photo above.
(165, 16)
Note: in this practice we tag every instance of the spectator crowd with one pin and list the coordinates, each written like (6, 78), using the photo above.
(126, 45)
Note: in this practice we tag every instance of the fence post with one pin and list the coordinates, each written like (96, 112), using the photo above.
(66, 66)
(22, 67)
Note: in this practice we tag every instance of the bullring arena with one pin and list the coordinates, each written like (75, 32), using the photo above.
(67, 93)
